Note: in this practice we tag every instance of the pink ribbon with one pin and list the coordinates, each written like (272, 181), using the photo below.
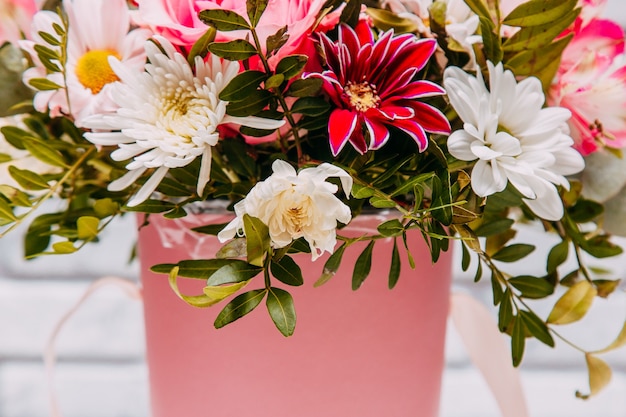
(484, 343)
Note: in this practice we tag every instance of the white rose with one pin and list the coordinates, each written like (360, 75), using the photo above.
(296, 204)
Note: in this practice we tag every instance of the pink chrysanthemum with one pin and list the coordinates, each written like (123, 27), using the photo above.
(372, 84)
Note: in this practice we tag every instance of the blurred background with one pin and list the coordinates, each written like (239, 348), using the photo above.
(101, 370)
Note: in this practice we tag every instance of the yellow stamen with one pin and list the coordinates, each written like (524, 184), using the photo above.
(93, 69)
(363, 96)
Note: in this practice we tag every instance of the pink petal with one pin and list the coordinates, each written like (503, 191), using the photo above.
(364, 32)
(358, 140)
(413, 129)
(393, 112)
(379, 134)
(431, 119)
(341, 127)
(418, 89)
(418, 54)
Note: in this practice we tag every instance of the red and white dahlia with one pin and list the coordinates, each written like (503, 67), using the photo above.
(372, 84)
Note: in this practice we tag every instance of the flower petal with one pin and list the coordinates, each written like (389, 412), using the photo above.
(341, 126)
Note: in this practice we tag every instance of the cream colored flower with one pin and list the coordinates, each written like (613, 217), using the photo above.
(295, 205)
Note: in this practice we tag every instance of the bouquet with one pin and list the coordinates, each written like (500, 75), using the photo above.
(466, 118)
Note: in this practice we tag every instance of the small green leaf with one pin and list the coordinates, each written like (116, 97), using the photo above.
(496, 289)
(539, 12)
(585, 211)
(606, 287)
(386, 20)
(6, 212)
(391, 227)
(258, 239)
(532, 287)
(87, 227)
(394, 270)
(276, 41)
(494, 227)
(274, 81)
(305, 87)
(408, 186)
(194, 268)
(599, 375)
(220, 292)
(362, 266)
(479, 7)
(280, 306)
(291, 65)
(574, 304)
(44, 153)
(382, 202)
(152, 206)
(43, 84)
(242, 85)
(210, 229)
(513, 252)
(27, 179)
(235, 270)
(518, 341)
(239, 307)
(223, 20)
(236, 50)
(201, 46)
(64, 247)
(362, 192)
(536, 327)
(331, 266)
(310, 106)
(48, 38)
(557, 256)
(505, 314)
(105, 207)
(253, 104)
(255, 9)
(287, 271)
(538, 36)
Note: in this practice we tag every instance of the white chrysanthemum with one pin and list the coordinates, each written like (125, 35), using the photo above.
(513, 138)
(295, 205)
(97, 29)
(167, 117)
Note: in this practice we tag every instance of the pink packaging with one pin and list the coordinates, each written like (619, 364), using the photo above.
(374, 352)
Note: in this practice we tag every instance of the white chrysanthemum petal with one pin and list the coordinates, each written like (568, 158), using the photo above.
(205, 170)
(126, 180)
(148, 188)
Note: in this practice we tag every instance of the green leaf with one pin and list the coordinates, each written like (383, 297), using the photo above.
(407, 186)
(255, 9)
(291, 65)
(599, 375)
(574, 304)
(27, 179)
(518, 341)
(152, 206)
(394, 270)
(465, 258)
(238, 158)
(199, 301)
(287, 271)
(232, 272)
(386, 20)
(533, 62)
(536, 327)
(534, 37)
(6, 212)
(601, 247)
(258, 239)
(48, 38)
(505, 314)
(105, 207)
(479, 7)
(43, 84)
(310, 106)
(223, 20)
(391, 227)
(210, 229)
(237, 50)
(194, 268)
(382, 202)
(274, 81)
(362, 192)
(239, 307)
(557, 256)
(539, 12)
(5, 157)
(496, 289)
(242, 85)
(491, 41)
(305, 87)
(220, 292)
(363, 266)
(253, 104)
(276, 41)
(201, 46)
(17, 197)
(64, 247)
(585, 211)
(44, 153)
(280, 306)
(532, 287)
(331, 266)
(87, 227)
(606, 287)
(513, 252)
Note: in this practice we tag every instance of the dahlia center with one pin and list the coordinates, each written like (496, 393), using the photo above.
(363, 96)
(93, 69)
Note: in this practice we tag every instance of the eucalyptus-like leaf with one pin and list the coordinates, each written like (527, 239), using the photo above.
(386, 20)
(6, 212)
(331, 266)
(574, 304)
(513, 252)
(505, 313)
(291, 65)
(28, 180)
(382, 202)
(601, 247)
(242, 85)
(282, 311)
(532, 287)
(305, 87)
(87, 227)
(16, 196)
(287, 271)
(310, 106)
(518, 341)
(536, 327)
(233, 271)
(465, 258)
(599, 375)
(223, 20)
(201, 46)
(539, 12)
(585, 210)
(363, 266)
(274, 81)
(391, 227)
(236, 50)
(257, 239)
(496, 289)
(152, 206)
(255, 9)
(557, 256)
(254, 103)
(492, 43)
(43, 84)
(239, 306)
(362, 192)
(44, 152)
(394, 269)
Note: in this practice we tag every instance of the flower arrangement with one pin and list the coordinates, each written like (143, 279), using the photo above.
(467, 118)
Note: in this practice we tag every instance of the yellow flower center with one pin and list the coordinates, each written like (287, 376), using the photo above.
(363, 96)
(93, 69)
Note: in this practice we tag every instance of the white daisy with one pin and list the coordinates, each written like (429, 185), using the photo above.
(167, 116)
(97, 29)
(513, 138)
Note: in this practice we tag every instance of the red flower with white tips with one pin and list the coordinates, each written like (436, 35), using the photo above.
(372, 84)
